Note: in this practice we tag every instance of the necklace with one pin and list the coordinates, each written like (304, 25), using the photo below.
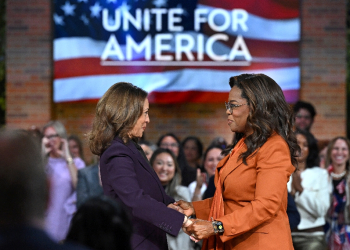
(337, 176)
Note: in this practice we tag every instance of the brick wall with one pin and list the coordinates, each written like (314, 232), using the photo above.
(29, 72)
(323, 64)
(28, 62)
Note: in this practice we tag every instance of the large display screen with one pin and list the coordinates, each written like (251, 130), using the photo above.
(178, 51)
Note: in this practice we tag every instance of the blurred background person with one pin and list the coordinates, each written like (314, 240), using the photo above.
(89, 184)
(120, 120)
(148, 148)
(101, 223)
(62, 171)
(172, 142)
(304, 114)
(211, 158)
(76, 147)
(24, 195)
(166, 167)
(338, 221)
(193, 150)
(310, 188)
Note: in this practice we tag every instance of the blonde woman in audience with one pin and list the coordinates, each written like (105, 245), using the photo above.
(62, 171)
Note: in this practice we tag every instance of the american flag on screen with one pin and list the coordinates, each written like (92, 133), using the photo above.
(178, 51)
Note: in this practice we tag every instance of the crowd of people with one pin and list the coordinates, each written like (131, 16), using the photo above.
(180, 194)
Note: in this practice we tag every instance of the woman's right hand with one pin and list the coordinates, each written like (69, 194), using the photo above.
(186, 206)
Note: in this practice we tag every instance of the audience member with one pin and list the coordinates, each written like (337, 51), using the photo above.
(304, 115)
(24, 195)
(310, 189)
(102, 224)
(89, 184)
(212, 156)
(171, 142)
(338, 220)
(76, 147)
(193, 150)
(148, 148)
(62, 171)
(166, 167)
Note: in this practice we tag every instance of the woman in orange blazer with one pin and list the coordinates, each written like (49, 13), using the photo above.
(248, 210)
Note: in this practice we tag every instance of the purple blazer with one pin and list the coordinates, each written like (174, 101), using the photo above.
(128, 177)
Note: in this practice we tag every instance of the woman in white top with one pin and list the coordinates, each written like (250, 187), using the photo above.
(166, 167)
(310, 188)
(212, 156)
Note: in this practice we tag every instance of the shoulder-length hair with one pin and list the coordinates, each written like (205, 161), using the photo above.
(330, 148)
(170, 189)
(312, 159)
(116, 115)
(59, 128)
(268, 113)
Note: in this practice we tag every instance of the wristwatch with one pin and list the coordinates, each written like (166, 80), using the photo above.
(218, 227)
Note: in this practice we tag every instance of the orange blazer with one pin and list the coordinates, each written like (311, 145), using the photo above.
(255, 198)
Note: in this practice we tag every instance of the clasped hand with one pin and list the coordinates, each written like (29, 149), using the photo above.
(198, 229)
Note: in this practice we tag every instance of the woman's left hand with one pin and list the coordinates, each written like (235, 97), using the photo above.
(200, 229)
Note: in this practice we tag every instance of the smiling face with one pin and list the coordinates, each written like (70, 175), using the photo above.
(211, 160)
(238, 118)
(141, 123)
(340, 153)
(164, 167)
(304, 148)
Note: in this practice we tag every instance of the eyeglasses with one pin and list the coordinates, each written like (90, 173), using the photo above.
(231, 106)
(169, 145)
(52, 136)
(306, 117)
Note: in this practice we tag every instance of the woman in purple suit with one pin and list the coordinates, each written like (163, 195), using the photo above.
(126, 175)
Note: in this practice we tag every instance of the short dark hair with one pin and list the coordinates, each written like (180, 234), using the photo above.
(101, 223)
(304, 105)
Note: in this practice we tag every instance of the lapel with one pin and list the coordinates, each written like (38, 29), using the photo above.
(145, 164)
(232, 163)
